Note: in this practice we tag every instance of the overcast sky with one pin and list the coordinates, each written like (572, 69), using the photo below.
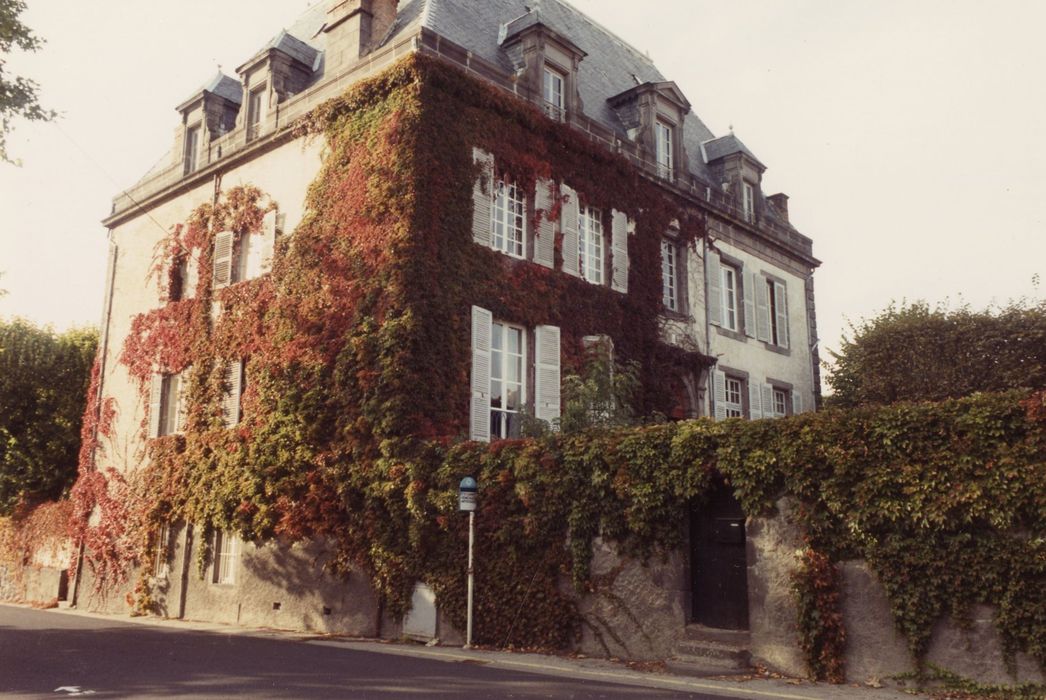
(909, 134)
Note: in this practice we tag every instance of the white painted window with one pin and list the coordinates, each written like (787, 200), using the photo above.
(508, 219)
(192, 147)
(167, 405)
(733, 403)
(663, 143)
(508, 379)
(748, 201)
(780, 402)
(590, 244)
(255, 105)
(729, 296)
(226, 555)
(553, 94)
(669, 290)
(778, 312)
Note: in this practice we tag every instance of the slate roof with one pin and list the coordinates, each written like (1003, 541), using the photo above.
(222, 86)
(727, 145)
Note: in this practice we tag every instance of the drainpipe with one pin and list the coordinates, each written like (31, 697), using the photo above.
(709, 389)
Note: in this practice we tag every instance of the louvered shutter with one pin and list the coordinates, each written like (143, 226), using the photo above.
(715, 290)
(222, 259)
(781, 304)
(719, 394)
(482, 197)
(755, 402)
(768, 401)
(192, 276)
(233, 387)
(110, 272)
(479, 410)
(749, 296)
(184, 378)
(266, 243)
(547, 374)
(762, 309)
(545, 234)
(619, 248)
(568, 224)
(155, 405)
(797, 403)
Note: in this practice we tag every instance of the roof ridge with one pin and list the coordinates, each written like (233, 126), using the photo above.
(612, 35)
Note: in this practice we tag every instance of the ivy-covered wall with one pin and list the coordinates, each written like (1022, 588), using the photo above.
(357, 361)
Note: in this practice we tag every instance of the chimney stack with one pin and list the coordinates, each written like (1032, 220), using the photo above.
(779, 202)
(354, 28)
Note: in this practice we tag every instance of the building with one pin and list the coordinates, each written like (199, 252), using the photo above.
(594, 205)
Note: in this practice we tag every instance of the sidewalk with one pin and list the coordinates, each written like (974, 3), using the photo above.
(601, 670)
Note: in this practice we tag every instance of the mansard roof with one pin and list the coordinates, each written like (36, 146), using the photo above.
(725, 146)
(221, 85)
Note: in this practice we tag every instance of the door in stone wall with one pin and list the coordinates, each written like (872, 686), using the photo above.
(718, 563)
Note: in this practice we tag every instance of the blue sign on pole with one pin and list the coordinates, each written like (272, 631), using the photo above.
(467, 494)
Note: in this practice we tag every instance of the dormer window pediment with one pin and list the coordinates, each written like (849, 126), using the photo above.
(653, 115)
(546, 64)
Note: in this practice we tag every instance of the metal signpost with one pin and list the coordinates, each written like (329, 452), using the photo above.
(467, 503)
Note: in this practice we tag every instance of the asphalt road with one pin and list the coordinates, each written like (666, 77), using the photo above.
(42, 652)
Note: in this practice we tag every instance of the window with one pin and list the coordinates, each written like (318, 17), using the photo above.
(669, 282)
(183, 278)
(728, 276)
(590, 244)
(748, 201)
(734, 403)
(507, 221)
(192, 145)
(553, 94)
(161, 567)
(238, 258)
(778, 311)
(507, 379)
(663, 145)
(226, 554)
(254, 112)
(780, 402)
(166, 404)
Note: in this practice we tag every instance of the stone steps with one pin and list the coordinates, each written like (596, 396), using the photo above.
(704, 651)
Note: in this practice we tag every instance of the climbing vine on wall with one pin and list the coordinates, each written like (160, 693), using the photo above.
(356, 402)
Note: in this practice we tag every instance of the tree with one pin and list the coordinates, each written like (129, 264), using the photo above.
(43, 386)
(18, 95)
(913, 352)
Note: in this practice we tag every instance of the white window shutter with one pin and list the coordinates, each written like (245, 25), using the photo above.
(479, 410)
(719, 394)
(619, 246)
(192, 276)
(233, 388)
(545, 234)
(547, 374)
(267, 243)
(781, 302)
(222, 259)
(715, 289)
(110, 272)
(182, 400)
(762, 309)
(797, 403)
(749, 296)
(755, 402)
(568, 224)
(482, 197)
(768, 400)
(155, 404)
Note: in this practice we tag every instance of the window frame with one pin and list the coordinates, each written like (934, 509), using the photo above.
(786, 399)
(191, 149)
(730, 296)
(554, 109)
(731, 408)
(664, 148)
(500, 214)
(748, 201)
(172, 409)
(225, 558)
(670, 296)
(255, 110)
(774, 287)
(161, 558)
(506, 427)
(591, 232)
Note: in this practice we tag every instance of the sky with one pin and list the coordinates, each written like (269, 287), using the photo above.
(910, 135)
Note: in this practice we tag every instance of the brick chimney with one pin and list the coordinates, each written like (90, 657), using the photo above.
(354, 28)
(779, 202)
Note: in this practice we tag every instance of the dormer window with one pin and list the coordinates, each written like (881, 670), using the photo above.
(254, 113)
(663, 146)
(192, 148)
(748, 201)
(554, 105)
